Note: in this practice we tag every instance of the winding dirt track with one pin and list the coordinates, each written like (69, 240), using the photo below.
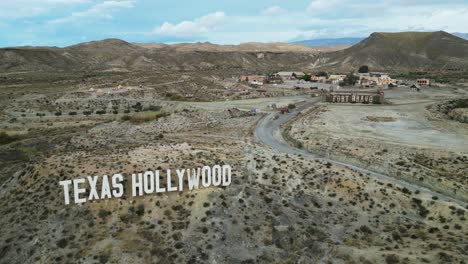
(266, 133)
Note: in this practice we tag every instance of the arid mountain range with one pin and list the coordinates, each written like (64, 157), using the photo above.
(327, 42)
(406, 51)
(381, 51)
(244, 47)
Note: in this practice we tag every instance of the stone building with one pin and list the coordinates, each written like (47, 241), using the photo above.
(423, 82)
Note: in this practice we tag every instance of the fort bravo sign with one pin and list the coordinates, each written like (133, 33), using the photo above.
(365, 97)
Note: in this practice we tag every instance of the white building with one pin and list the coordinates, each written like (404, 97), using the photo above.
(290, 75)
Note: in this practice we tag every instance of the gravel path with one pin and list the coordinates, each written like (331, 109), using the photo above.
(266, 133)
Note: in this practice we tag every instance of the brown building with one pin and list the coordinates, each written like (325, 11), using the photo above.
(422, 82)
(252, 79)
(273, 78)
(371, 97)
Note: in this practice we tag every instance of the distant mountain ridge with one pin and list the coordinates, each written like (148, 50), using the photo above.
(461, 35)
(243, 47)
(329, 42)
(380, 51)
(401, 51)
(347, 41)
(119, 55)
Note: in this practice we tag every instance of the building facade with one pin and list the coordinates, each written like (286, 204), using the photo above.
(291, 75)
(423, 82)
(253, 79)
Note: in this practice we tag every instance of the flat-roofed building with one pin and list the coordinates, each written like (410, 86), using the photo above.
(253, 79)
(423, 82)
(286, 75)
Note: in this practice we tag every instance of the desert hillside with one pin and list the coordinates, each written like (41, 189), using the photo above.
(381, 51)
(402, 51)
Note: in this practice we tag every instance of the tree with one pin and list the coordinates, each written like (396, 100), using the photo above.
(363, 69)
(322, 74)
(349, 80)
(306, 78)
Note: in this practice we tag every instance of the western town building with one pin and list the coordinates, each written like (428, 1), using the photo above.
(365, 97)
(422, 82)
(336, 78)
(273, 78)
(375, 79)
(290, 75)
(253, 79)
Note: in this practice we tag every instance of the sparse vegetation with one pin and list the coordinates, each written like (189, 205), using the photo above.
(144, 117)
(6, 138)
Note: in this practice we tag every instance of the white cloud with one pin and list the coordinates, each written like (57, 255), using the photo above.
(323, 5)
(32, 8)
(201, 25)
(273, 10)
(100, 10)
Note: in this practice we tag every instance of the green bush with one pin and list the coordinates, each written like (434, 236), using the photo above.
(146, 117)
(5, 138)
(154, 108)
(299, 145)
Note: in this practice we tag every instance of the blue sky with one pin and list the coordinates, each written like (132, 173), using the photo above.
(67, 22)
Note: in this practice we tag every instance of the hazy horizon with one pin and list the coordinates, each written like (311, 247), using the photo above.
(297, 42)
(66, 22)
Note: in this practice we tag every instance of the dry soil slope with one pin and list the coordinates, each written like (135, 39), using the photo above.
(402, 51)
(118, 55)
(243, 47)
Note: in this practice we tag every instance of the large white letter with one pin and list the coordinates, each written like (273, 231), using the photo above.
(158, 188)
(226, 175)
(136, 184)
(206, 176)
(92, 188)
(180, 175)
(216, 174)
(105, 188)
(66, 190)
(169, 183)
(77, 190)
(193, 182)
(117, 185)
(149, 181)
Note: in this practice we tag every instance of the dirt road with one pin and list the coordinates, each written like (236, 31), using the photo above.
(267, 133)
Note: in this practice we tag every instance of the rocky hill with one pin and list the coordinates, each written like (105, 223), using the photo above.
(402, 51)
(118, 55)
(380, 51)
(243, 47)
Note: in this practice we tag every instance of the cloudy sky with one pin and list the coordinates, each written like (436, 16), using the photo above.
(66, 22)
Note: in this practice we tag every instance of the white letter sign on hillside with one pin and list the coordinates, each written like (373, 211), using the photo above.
(142, 183)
